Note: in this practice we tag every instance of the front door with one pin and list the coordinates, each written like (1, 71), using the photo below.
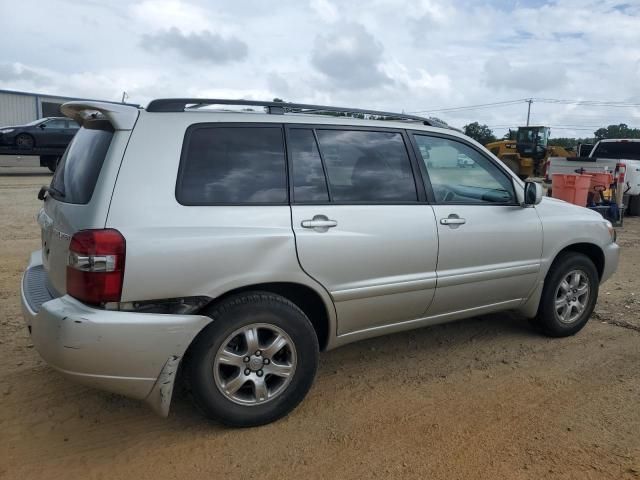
(490, 246)
(53, 133)
(362, 228)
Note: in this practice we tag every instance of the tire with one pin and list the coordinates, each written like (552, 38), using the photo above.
(52, 163)
(218, 360)
(24, 140)
(633, 208)
(577, 308)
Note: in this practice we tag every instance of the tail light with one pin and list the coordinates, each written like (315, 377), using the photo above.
(95, 269)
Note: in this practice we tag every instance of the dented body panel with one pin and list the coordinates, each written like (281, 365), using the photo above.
(120, 352)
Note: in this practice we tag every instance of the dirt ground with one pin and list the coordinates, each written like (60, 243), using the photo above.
(482, 398)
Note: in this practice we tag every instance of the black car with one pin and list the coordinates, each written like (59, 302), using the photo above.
(45, 132)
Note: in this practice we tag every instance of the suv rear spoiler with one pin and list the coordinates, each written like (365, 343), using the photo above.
(121, 116)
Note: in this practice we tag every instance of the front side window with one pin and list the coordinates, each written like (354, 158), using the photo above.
(460, 174)
(367, 166)
(233, 165)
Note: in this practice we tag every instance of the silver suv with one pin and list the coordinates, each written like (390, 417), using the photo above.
(229, 247)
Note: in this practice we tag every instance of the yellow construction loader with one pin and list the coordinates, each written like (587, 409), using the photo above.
(527, 155)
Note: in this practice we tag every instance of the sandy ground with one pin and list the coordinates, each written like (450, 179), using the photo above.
(483, 398)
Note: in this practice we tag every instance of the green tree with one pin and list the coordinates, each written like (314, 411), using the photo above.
(480, 133)
(510, 135)
(569, 142)
(617, 131)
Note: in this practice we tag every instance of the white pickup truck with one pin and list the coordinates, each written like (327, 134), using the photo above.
(604, 157)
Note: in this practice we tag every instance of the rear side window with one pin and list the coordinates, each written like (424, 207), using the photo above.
(56, 124)
(367, 166)
(628, 150)
(309, 183)
(77, 174)
(232, 165)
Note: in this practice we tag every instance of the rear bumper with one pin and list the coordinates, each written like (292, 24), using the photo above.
(132, 354)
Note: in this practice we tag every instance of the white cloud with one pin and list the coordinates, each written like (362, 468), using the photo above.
(326, 10)
(528, 77)
(383, 54)
(163, 14)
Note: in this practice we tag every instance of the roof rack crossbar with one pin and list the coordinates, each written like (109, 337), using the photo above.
(275, 108)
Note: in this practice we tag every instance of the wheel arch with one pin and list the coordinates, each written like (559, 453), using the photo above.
(530, 307)
(590, 250)
(26, 134)
(303, 296)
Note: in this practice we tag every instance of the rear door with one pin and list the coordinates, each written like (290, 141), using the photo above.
(362, 227)
(79, 194)
(490, 246)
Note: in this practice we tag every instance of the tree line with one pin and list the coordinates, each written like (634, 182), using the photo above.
(483, 134)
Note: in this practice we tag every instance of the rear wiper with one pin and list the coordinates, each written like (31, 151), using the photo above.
(50, 190)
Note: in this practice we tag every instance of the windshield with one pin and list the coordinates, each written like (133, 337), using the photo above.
(628, 150)
(77, 175)
(533, 135)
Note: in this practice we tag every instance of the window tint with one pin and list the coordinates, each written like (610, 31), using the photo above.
(628, 150)
(367, 166)
(459, 174)
(77, 174)
(233, 165)
(309, 184)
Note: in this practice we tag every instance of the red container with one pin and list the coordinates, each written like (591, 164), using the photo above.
(600, 181)
(571, 188)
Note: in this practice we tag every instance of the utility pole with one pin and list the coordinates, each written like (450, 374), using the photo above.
(530, 101)
(125, 96)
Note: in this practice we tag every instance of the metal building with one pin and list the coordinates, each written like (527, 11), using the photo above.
(18, 108)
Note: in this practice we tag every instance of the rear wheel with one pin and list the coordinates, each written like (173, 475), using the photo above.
(569, 295)
(255, 362)
(51, 163)
(24, 140)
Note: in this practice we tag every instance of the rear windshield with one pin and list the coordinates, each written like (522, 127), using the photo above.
(628, 150)
(77, 174)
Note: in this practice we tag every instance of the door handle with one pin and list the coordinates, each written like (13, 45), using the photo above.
(320, 223)
(453, 220)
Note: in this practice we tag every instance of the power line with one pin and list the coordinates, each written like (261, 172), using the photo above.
(588, 103)
(506, 103)
(474, 107)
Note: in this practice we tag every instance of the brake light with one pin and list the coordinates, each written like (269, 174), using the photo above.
(95, 268)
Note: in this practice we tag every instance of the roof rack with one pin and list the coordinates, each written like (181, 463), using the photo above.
(279, 108)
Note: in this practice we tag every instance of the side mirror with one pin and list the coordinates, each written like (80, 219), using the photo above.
(532, 193)
(42, 126)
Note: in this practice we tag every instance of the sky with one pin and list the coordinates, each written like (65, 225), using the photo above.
(395, 55)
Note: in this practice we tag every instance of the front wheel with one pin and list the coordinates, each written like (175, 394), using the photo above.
(24, 140)
(569, 295)
(255, 362)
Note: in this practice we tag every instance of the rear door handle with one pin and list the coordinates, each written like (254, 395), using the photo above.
(453, 220)
(320, 223)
